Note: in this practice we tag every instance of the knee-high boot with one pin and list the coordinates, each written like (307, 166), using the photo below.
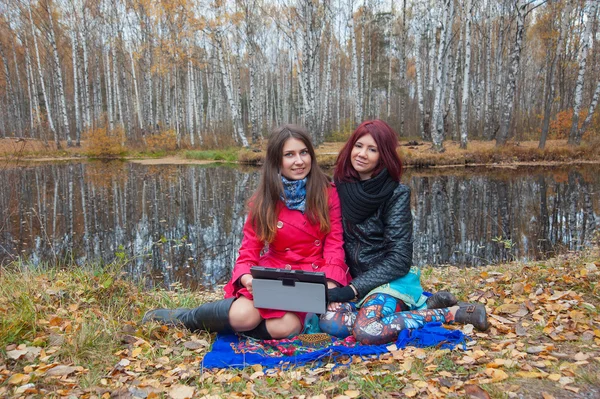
(212, 316)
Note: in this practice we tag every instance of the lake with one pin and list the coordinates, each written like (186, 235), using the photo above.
(182, 223)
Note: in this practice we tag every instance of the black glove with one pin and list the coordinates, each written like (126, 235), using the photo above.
(340, 294)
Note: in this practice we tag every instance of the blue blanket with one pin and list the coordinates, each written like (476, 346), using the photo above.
(234, 351)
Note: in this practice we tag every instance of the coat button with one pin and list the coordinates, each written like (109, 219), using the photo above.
(317, 242)
(288, 267)
(315, 266)
(279, 224)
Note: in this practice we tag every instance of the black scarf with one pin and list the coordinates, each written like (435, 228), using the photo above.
(360, 199)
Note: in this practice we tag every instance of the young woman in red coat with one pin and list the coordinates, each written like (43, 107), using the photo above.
(295, 213)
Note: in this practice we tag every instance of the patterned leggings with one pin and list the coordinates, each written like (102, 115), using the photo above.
(379, 320)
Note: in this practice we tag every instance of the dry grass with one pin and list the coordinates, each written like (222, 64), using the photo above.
(416, 154)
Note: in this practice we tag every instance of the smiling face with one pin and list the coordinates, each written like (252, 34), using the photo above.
(296, 161)
(365, 156)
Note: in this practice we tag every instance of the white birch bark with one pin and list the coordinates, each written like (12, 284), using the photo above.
(41, 77)
(574, 138)
(58, 71)
(138, 105)
(75, 85)
(419, 75)
(591, 110)
(109, 92)
(326, 121)
(226, 77)
(437, 125)
(356, 92)
(31, 89)
(487, 129)
(87, 121)
(464, 111)
(509, 97)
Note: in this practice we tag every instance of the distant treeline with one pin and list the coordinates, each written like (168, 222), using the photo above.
(223, 72)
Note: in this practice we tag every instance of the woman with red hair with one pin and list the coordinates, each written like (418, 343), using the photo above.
(378, 244)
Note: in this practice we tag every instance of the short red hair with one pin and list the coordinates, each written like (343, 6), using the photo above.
(387, 141)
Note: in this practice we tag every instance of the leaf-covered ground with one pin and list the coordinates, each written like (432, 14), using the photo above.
(76, 334)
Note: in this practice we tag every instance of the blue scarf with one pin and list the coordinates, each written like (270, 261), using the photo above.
(294, 194)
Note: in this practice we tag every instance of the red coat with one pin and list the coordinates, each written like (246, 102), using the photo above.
(298, 245)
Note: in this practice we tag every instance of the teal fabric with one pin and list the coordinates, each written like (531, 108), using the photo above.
(406, 288)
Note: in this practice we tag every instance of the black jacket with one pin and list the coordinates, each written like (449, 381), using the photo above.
(379, 250)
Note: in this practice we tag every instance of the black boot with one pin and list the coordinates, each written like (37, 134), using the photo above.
(259, 332)
(212, 316)
(440, 300)
(474, 314)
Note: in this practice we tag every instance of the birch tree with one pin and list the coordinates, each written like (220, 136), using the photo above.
(574, 136)
(464, 111)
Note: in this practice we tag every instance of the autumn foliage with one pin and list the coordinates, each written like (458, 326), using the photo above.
(165, 141)
(104, 143)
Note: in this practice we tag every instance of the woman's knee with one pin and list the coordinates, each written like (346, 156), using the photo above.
(243, 316)
(338, 324)
(285, 326)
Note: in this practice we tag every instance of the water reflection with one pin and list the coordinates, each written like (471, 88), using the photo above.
(183, 223)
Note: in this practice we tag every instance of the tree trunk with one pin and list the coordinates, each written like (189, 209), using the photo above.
(464, 111)
(574, 137)
(41, 76)
(509, 98)
(437, 126)
(549, 100)
(61, 86)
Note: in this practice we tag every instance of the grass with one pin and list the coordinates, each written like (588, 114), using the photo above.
(87, 318)
(419, 155)
(227, 155)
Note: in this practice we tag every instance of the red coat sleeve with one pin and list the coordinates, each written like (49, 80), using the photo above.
(333, 250)
(248, 256)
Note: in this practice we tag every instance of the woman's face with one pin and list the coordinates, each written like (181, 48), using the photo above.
(296, 161)
(365, 156)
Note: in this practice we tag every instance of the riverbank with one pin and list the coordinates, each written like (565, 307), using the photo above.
(413, 153)
(76, 333)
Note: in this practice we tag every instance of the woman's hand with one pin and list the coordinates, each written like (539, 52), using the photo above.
(246, 281)
(341, 294)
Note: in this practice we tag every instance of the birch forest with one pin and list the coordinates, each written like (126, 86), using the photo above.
(224, 72)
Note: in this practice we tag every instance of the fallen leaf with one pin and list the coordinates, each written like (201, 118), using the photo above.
(18, 379)
(181, 392)
(508, 308)
(352, 393)
(60, 371)
(547, 396)
(475, 392)
(16, 354)
(532, 350)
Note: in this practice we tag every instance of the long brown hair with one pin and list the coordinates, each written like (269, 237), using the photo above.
(263, 204)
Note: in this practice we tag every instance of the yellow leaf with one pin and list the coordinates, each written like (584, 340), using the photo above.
(496, 374)
(352, 393)
(554, 377)
(257, 367)
(19, 379)
(529, 374)
(136, 352)
(409, 391)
